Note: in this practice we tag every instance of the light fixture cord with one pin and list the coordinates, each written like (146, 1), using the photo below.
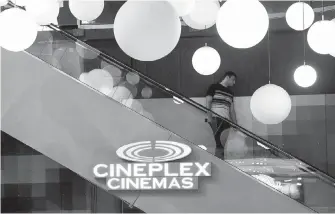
(323, 11)
(304, 33)
(269, 55)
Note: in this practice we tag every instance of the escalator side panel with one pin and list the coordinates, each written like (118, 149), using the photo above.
(79, 128)
(65, 121)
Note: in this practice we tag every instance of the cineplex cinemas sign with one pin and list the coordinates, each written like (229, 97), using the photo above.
(151, 167)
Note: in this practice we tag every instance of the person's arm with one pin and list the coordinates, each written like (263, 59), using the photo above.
(209, 100)
(233, 113)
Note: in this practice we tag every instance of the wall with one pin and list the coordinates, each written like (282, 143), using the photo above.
(32, 182)
(79, 128)
(251, 65)
(307, 133)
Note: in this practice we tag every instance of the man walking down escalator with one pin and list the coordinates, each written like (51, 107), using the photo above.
(220, 99)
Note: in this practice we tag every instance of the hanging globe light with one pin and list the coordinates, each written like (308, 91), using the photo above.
(147, 30)
(98, 79)
(86, 10)
(203, 15)
(305, 76)
(43, 11)
(132, 78)
(146, 92)
(206, 60)
(270, 104)
(321, 35)
(300, 16)
(183, 7)
(18, 30)
(242, 23)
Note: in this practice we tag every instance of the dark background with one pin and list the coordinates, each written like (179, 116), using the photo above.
(251, 65)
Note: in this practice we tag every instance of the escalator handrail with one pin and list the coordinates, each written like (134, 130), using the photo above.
(190, 101)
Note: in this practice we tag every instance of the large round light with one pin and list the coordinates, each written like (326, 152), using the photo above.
(86, 10)
(3, 2)
(183, 7)
(147, 30)
(305, 76)
(18, 30)
(270, 104)
(44, 11)
(206, 60)
(242, 23)
(203, 15)
(300, 16)
(321, 35)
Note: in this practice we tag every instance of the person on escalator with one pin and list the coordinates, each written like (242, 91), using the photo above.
(220, 99)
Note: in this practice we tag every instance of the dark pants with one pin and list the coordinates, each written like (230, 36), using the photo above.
(218, 126)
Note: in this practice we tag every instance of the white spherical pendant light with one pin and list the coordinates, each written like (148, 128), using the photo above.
(203, 15)
(132, 78)
(300, 16)
(321, 35)
(86, 10)
(146, 92)
(270, 104)
(183, 7)
(98, 79)
(3, 2)
(305, 76)
(43, 11)
(18, 30)
(242, 23)
(147, 30)
(206, 60)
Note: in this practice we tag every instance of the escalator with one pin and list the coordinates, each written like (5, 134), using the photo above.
(45, 106)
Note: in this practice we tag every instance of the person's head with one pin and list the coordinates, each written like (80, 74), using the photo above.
(228, 79)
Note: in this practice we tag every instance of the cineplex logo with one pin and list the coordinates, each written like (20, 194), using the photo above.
(149, 169)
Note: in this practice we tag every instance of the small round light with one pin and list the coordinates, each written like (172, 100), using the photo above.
(203, 15)
(305, 76)
(300, 16)
(321, 35)
(120, 93)
(132, 78)
(18, 30)
(147, 30)
(98, 79)
(146, 92)
(206, 60)
(43, 11)
(270, 104)
(242, 23)
(86, 10)
(183, 7)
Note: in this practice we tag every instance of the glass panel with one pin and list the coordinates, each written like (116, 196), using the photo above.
(184, 117)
